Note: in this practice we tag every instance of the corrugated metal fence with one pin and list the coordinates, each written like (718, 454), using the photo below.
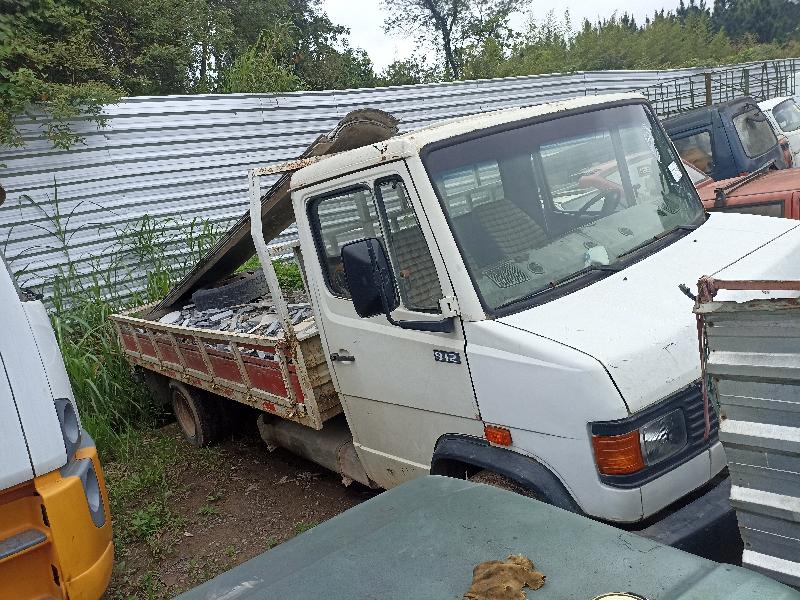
(185, 157)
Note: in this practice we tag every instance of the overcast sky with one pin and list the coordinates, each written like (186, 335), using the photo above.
(365, 20)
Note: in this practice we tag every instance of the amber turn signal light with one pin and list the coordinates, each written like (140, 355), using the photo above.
(618, 454)
(497, 435)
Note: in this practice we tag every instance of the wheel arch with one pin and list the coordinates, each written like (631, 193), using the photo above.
(455, 454)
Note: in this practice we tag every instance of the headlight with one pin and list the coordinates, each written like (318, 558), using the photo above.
(663, 437)
(622, 451)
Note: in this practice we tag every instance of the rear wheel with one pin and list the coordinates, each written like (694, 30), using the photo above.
(502, 482)
(199, 414)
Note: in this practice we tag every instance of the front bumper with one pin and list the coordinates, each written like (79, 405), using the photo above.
(705, 524)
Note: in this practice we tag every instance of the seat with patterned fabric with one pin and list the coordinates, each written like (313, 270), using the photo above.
(416, 272)
(511, 228)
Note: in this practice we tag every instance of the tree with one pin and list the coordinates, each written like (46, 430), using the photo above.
(258, 70)
(50, 62)
(453, 26)
(316, 51)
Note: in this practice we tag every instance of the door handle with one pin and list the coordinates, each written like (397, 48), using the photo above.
(335, 356)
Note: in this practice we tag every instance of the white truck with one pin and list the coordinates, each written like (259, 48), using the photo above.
(55, 525)
(783, 114)
(496, 294)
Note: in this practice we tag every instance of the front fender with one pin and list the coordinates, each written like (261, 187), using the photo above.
(454, 449)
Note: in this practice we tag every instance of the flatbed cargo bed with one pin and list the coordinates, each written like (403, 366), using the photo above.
(295, 384)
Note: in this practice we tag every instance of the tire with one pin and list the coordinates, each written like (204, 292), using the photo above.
(501, 481)
(159, 387)
(199, 414)
(236, 290)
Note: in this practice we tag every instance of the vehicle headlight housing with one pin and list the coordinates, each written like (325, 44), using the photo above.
(663, 437)
(70, 426)
(619, 450)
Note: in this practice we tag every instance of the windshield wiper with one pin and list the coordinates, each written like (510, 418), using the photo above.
(660, 236)
(582, 272)
(566, 279)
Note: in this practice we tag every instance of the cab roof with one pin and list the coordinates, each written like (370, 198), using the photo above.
(411, 143)
(701, 116)
(773, 102)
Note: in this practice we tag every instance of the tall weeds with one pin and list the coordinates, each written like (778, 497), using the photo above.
(86, 288)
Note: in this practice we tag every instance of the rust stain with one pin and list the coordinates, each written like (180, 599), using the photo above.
(707, 287)
(292, 165)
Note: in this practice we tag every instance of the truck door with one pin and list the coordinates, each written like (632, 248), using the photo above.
(401, 389)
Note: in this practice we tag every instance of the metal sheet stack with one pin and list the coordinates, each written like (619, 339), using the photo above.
(754, 364)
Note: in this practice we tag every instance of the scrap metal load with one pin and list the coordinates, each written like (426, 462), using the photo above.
(257, 317)
(240, 336)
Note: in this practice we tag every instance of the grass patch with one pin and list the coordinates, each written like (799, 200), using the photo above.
(287, 270)
(146, 496)
(302, 527)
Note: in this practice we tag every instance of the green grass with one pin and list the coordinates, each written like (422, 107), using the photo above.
(288, 272)
(302, 527)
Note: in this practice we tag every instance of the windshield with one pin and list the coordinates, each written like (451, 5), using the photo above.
(532, 205)
(787, 115)
(755, 132)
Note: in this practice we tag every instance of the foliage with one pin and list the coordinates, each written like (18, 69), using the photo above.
(86, 290)
(411, 71)
(288, 272)
(66, 58)
(766, 20)
(258, 70)
(453, 27)
(668, 40)
(50, 61)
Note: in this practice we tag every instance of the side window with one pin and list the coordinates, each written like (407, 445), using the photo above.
(696, 150)
(414, 268)
(755, 132)
(354, 214)
(340, 218)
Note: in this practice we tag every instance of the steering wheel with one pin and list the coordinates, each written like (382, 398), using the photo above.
(611, 197)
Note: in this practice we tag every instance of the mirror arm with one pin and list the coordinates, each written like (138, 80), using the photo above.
(444, 326)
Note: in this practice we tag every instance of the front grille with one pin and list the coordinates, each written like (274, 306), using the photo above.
(690, 401)
(695, 423)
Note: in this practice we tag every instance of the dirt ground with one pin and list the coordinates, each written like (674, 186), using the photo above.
(183, 515)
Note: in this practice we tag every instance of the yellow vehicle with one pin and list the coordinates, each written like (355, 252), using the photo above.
(55, 524)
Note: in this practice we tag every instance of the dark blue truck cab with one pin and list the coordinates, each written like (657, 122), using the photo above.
(726, 140)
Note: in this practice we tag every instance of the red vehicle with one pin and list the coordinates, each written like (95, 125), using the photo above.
(763, 192)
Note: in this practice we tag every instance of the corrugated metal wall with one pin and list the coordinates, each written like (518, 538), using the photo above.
(181, 157)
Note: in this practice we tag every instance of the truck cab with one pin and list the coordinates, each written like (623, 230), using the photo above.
(727, 140)
(487, 303)
(55, 526)
(784, 115)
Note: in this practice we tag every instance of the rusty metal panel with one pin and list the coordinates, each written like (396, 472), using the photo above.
(754, 366)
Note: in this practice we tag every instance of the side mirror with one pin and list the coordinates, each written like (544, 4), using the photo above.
(369, 277)
(373, 287)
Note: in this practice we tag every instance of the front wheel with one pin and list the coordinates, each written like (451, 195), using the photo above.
(199, 414)
(501, 481)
